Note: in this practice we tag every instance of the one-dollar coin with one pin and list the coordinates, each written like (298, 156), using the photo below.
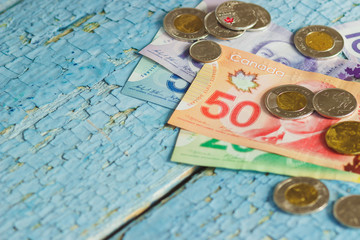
(344, 137)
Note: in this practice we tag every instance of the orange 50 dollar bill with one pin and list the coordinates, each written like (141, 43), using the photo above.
(225, 102)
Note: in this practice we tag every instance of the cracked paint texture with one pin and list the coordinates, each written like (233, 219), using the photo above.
(236, 205)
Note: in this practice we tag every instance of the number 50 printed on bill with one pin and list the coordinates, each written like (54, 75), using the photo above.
(226, 102)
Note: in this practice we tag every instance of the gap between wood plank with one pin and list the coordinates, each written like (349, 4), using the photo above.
(197, 170)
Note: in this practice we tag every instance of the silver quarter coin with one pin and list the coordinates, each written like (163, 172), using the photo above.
(301, 195)
(185, 24)
(318, 41)
(236, 15)
(264, 18)
(347, 211)
(289, 101)
(213, 27)
(334, 103)
(205, 51)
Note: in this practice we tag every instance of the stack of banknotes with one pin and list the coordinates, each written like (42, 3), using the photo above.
(222, 117)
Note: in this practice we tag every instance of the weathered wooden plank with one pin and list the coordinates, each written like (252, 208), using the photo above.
(225, 204)
(78, 158)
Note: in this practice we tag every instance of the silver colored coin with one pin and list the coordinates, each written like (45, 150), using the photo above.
(334, 103)
(213, 27)
(236, 15)
(301, 195)
(264, 18)
(347, 211)
(271, 102)
(318, 41)
(205, 51)
(185, 24)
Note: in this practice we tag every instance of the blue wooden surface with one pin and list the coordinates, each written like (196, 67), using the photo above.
(78, 159)
(224, 204)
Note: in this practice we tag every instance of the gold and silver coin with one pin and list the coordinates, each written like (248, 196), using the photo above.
(344, 137)
(289, 101)
(347, 211)
(334, 103)
(318, 41)
(301, 195)
(214, 28)
(205, 51)
(264, 18)
(185, 24)
(236, 15)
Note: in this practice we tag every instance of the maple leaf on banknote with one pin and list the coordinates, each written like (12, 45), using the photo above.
(242, 81)
(355, 71)
(351, 74)
(355, 166)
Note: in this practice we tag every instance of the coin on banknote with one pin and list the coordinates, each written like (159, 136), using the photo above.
(289, 101)
(205, 51)
(347, 211)
(344, 137)
(185, 24)
(214, 28)
(236, 15)
(334, 103)
(318, 41)
(301, 195)
(264, 18)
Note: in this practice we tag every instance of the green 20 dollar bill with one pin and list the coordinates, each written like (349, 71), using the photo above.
(196, 149)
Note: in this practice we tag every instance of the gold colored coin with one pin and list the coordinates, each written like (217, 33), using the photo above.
(188, 23)
(344, 137)
(291, 101)
(301, 194)
(319, 41)
(185, 24)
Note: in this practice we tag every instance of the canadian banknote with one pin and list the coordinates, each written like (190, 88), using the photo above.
(277, 46)
(274, 43)
(351, 34)
(196, 149)
(151, 82)
(225, 102)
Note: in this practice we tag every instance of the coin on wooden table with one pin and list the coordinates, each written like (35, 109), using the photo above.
(214, 28)
(344, 137)
(264, 18)
(185, 24)
(236, 15)
(301, 195)
(334, 103)
(318, 41)
(289, 101)
(205, 51)
(347, 211)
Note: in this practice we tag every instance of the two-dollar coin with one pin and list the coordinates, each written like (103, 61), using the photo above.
(301, 195)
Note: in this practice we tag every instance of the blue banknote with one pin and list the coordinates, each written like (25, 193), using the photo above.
(158, 81)
(275, 43)
(351, 34)
(152, 82)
